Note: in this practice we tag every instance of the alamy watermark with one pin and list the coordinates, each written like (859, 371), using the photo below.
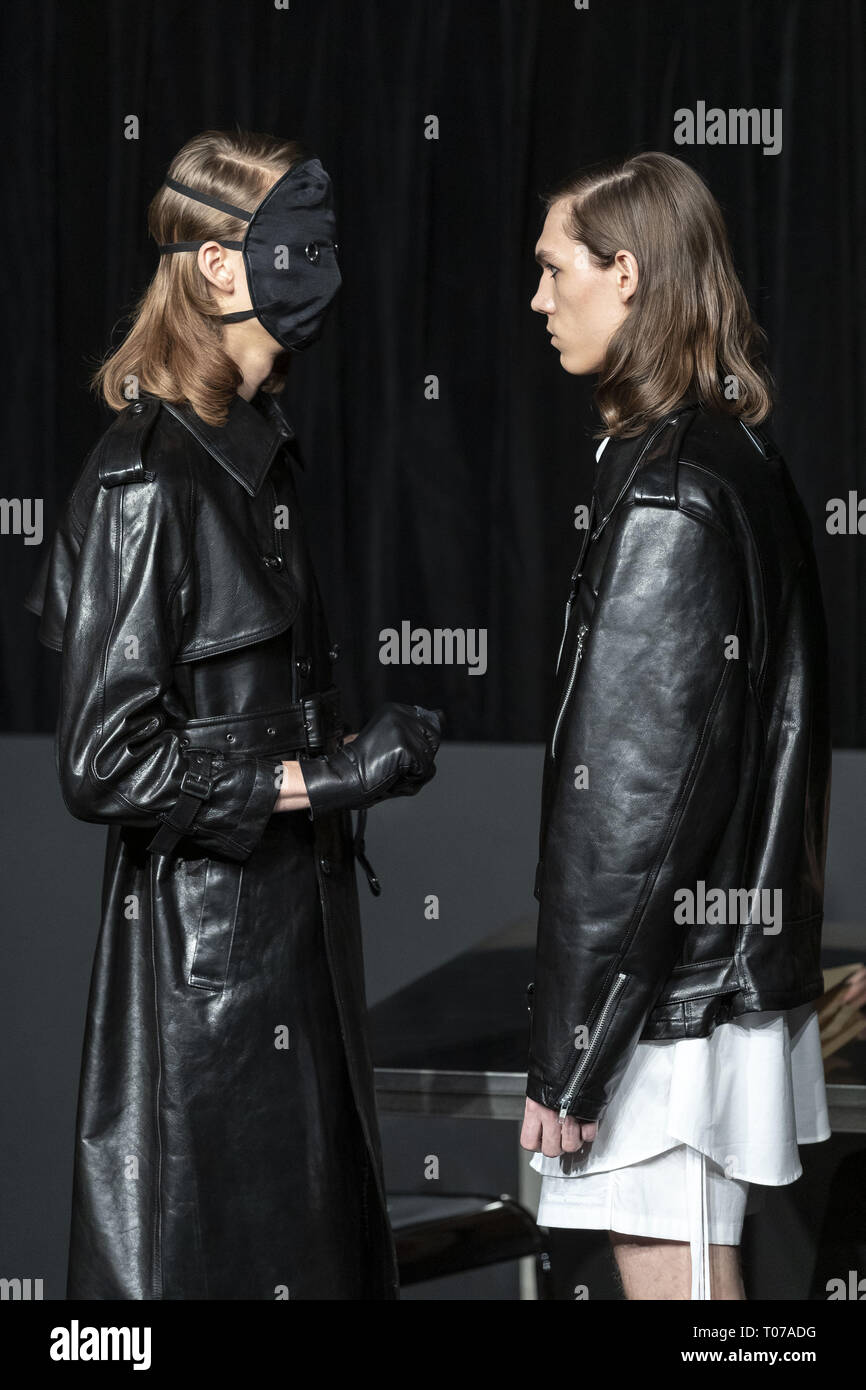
(737, 126)
(22, 516)
(438, 646)
(718, 906)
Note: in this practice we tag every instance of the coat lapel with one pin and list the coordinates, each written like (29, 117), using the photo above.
(247, 443)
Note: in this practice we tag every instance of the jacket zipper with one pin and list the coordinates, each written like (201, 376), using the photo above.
(578, 653)
(569, 1092)
(564, 628)
(576, 576)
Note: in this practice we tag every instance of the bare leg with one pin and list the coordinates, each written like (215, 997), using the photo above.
(651, 1268)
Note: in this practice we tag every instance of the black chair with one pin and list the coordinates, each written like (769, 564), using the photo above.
(455, 1232)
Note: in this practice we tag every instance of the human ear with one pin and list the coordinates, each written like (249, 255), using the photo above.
(215, 266)
(627, 274)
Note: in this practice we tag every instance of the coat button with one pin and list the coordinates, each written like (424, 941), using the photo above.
(303, 666)
(137, 408)
(272, 732)
(334, 652)
(273, 562)
(230, 738)
(184, 743)
(325, 865)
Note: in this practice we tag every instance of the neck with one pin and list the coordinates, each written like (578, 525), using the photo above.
(254, 358)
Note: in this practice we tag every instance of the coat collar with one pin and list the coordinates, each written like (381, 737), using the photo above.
(248, 442)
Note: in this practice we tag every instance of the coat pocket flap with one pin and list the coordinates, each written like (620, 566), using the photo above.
(215, 886)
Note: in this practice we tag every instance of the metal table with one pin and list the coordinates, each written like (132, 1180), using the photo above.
(453, 1043)
(499, 1095)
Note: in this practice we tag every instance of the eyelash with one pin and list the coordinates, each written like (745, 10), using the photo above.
(553, 270)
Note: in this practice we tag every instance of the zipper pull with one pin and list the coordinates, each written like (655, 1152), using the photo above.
(578, 653)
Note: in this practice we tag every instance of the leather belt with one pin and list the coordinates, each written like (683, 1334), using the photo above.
(306, 725)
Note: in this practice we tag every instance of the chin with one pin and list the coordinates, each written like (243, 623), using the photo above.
(569, 363)
(575, 365)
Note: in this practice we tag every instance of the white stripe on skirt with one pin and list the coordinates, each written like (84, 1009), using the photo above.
(699, 1242)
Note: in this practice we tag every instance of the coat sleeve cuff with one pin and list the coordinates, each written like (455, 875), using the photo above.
(259, 807)
(581, 1107)
(253, 784)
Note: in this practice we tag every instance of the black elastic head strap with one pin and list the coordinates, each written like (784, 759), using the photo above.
(168, 248)
(208, 198)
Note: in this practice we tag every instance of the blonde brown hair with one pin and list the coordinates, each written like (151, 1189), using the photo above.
(689, 332)
(174, 347)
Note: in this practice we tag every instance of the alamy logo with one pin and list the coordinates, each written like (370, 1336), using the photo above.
(439, 646)
(854, 1288)
(21, 1290)
(846, 518)
(742, 906)
(22, 516)
(737, 126)
(77, 1343)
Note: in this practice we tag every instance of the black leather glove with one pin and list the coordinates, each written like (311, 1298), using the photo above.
(393, 755)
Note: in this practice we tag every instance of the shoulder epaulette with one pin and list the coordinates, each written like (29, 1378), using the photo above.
(123, 445)
(656, 483)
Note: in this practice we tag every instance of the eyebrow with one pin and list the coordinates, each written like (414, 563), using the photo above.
(544, 255)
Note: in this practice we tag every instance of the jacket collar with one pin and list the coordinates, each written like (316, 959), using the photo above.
(248, 442)
(612, 470)
(619, 458)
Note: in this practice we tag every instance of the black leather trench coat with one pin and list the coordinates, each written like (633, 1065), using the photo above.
(689, 756)
(227, 1143)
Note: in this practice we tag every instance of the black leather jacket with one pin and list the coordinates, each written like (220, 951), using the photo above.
(690, 752)
(226, 1144)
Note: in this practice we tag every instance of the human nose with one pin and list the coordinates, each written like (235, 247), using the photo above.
(541, 302)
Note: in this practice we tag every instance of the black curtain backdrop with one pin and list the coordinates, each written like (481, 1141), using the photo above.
(456, 512)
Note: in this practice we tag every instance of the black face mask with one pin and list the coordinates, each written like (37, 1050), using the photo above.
(289, 253)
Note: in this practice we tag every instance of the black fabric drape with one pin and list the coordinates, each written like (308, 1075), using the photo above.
(456, 512)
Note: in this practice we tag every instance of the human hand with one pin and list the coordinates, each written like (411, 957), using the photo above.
(543, 1130)
(393, 755)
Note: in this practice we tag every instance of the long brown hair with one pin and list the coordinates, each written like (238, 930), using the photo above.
(174, 348)
(690, 332)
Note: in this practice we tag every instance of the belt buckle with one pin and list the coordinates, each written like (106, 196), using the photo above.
(198, 784)
(312, 723)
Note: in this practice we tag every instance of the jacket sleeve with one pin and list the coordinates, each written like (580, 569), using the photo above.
(654, 719)
(116, 758)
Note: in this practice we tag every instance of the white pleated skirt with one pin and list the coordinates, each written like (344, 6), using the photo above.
(678, 1195)
(695, 1128)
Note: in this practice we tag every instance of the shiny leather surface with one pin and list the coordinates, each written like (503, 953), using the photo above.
(393, 755)
(227, 1144)
(699, 767)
